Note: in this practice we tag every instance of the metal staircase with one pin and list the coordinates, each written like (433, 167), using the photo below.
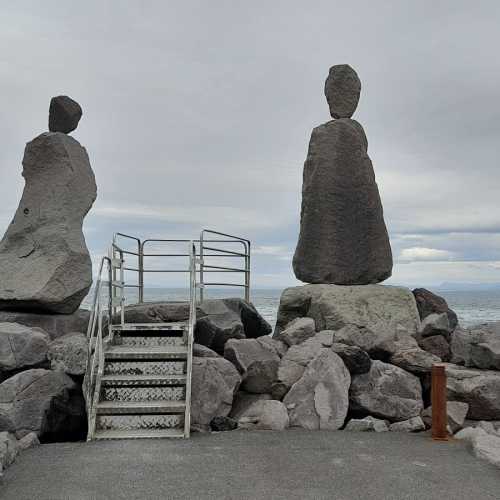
(138, 378)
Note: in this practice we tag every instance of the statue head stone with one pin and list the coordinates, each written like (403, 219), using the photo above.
(342, 89)
(64, 114)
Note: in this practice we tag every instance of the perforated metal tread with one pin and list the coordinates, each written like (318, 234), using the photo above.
(138, 407)
(139, 434)
(153, 352)
(143, 380)
(178, 325)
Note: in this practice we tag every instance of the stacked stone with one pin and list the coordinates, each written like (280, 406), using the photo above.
(45, 272)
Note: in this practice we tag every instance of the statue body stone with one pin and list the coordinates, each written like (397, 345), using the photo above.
(44, 262)
(343, 238)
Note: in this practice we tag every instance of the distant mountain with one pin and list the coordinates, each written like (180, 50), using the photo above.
(470, 287)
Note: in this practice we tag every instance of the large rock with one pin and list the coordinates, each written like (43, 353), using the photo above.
(69, 353)
(430, 303)
(56, 325)
(367, 424)
(214, 383)
(437, 345)
(478, 346)
(455, 413)
(44, 261)
(257, 364)
(414, 360)
(64, 114)
(413, 424)
(342, 90)
(320, 399)
(343, 238)
(480, 389)
(436, 324)
(387, 392)
(243, 400)
(264, 415)
(218, 320)
(46, 402)
(21, 346)
(9, 449)
(356, 360)
(297, 331)
(387, 311)
(484, 445)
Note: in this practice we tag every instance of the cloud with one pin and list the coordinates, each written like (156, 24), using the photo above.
(424, 254)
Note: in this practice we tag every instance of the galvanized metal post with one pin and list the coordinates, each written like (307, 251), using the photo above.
(438, 400)
(140, 261)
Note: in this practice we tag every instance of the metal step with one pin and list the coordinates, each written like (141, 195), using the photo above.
(138, 407)
(143, 393)
(138, 340)
(139, 434)
(127, 380)
(152, 352)
(177, 325)
(134, 422)
(145, 367)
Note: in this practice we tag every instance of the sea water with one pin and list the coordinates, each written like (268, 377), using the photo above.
(472, 307)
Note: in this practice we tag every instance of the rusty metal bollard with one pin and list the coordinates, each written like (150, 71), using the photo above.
(438, 401)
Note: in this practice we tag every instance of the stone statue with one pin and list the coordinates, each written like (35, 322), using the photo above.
(343, 238)
(44, 262)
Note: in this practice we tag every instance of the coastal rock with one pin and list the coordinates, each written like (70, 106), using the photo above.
(484, 446)
(218, 320)
(21, 346)
(386, 391)
(430, 303)
(297, 331)
(455, 412)
(356, 360)
(343, 238)
(478, 346)
(275, 346)
(414, 424)
(342, 90)
(319, 400)
(69, 353)
(214, 383)
(480, 389)
(202, 351)
(46, 402)
(56, 325)
(9, 449)
(29, 441)
(264, 415)
(415, 360)
(435, 324)
(222, 424)
(257, 364)
(436, 345)
(367, 424)
(243, 400)
(64, 114)
(387, 311)
(44, 261)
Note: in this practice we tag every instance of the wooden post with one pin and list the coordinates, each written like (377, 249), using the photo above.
(438, 401)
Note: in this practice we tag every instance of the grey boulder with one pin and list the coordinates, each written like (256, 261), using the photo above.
(320, 399)
(69, 353)
(44, 261)
(356, 360)
(243, 400)
(387, 392)
(257, 364)
(342, 90)
(343, 238)
(367, 424)
(202, 351)
(297, 331)
(437, 345)
(22, 346)
(413, 424)
(46, 402)
(414, 360)
(64, 114)
(456, 413)
(480, 389)
(9, 449)
(436, 324)
(264, 415)
(214, 384)
(429, 303)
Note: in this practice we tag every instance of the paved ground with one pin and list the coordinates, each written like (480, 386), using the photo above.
(254, 465)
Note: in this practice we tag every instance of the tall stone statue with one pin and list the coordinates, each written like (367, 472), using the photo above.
(44, 262)
(343, 238)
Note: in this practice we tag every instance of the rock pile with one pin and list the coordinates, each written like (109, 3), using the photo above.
(343, 238)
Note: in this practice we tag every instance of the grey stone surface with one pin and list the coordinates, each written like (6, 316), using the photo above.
(275, 346)
(342, 90)
(29, 441)
(479, 388)
(429, 303)
(343, 238)
(257, 364)
(484, 445)
(356, 360)
(202, 351)
(386, 391)
(69, 353)
(264, 414)
(243, 400)
(44, 261)
(214, 383)
(297, 331)
(64, 114)
(389, 312)
(437, 345)
(46, 402)
(436, 324)
(456, 412)
(56, 325)
(414, 424)
(221, 424)
(414, 360)
(21, 346)
(367, 424)
(218, 320)
(319, 400)
(9, 449)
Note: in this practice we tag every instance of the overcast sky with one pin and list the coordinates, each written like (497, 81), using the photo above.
(198, 114)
